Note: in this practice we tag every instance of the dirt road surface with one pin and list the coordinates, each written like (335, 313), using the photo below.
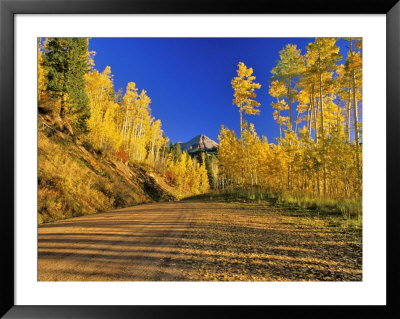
(196, 241)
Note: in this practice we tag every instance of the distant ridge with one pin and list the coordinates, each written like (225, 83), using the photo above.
(200, 141)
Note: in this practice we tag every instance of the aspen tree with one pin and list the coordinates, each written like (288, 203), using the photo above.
(277, 90)
(244, 95)
(288, 68)
(324, 55)
(353, 66)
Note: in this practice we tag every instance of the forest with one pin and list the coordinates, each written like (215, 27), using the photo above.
(317, 107)
(78, 101)
(318, 103)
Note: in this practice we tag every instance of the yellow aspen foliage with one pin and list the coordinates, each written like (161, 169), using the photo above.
(278, 90)
(320, 153)
(229, 154)
(244, 94)
(123, 125)
(204, 182)
(41, 79)
(118, 125)
(100, 90)
(288, 68)
(317, 105)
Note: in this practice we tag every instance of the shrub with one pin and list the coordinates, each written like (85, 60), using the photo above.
(170, 177)
(122, 156)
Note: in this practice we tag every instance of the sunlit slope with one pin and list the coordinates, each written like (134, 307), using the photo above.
(74, 180)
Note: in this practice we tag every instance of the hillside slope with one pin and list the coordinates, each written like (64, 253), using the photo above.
(74, 180)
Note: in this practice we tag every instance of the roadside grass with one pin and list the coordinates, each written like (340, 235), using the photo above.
(68, 185)
(344, 215)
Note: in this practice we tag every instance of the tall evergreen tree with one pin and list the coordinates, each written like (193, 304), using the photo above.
(200, 155)
(66, 63)
(210, 175)
(177, 151)
(171, 147)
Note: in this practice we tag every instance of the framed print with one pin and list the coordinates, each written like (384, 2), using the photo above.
(162, 158)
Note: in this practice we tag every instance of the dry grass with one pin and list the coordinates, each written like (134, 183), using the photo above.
(73, 181)
(341, 209)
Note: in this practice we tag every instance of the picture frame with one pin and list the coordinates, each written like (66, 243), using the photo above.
(8, 10)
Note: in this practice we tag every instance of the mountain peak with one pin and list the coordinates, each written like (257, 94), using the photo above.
(199, 141)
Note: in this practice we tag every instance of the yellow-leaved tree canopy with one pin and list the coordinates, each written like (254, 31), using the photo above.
(317, 105)
(244, 86)
(115, 124)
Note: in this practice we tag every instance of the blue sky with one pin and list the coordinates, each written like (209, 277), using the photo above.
(188, 79)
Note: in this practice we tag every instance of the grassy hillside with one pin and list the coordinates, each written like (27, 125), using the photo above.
(74, 180)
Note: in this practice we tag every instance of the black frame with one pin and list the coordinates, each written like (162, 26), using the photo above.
(10, 7)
